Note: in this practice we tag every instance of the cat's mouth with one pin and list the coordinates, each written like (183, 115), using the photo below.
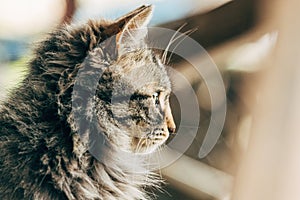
(150, 142)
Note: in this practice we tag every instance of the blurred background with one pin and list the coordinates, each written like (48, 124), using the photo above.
(255, 44)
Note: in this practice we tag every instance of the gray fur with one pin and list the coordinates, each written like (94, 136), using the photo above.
(43, 153)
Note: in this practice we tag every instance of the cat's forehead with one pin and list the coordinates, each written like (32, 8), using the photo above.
(138, 56)
(145, 70)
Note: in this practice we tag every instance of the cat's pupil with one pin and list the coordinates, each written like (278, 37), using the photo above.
(155, 97)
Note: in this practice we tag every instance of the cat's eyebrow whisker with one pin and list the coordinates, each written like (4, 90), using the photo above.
(172, 40)
(184, 35)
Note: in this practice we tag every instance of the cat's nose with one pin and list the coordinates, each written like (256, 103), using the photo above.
(170, 121)
(172, 129)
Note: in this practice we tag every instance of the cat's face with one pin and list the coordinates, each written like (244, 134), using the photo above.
(145, 113)
(139, 88)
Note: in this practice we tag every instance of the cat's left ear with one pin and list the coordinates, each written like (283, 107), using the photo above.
(134, 31)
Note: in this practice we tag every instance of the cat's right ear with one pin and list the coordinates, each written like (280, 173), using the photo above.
(134, 29)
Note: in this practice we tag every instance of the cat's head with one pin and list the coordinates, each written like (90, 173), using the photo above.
(132, 97)
(130, 94)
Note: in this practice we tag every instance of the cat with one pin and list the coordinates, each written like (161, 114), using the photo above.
(47, 132)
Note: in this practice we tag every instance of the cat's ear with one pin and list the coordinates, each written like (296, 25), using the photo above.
(134, 31)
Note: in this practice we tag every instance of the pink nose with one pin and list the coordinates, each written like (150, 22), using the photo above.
(169, 120)
(172, 129)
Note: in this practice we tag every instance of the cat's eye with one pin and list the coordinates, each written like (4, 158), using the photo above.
(156, 98)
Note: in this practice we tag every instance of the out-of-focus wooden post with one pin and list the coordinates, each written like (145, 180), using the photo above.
(270, 170)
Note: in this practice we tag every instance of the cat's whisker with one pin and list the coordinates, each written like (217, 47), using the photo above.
(164, 56)
(159, 158)
(148, 161)
(144, 144)
(188, 126)
(184, 35)
(139, 144)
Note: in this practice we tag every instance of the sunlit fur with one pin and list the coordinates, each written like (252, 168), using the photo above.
(138, 75)
(42, 154)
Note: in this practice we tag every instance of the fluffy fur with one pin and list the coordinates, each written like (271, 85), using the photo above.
(48, 128)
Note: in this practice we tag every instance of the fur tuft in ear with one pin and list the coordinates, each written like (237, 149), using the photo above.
(134, 30)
